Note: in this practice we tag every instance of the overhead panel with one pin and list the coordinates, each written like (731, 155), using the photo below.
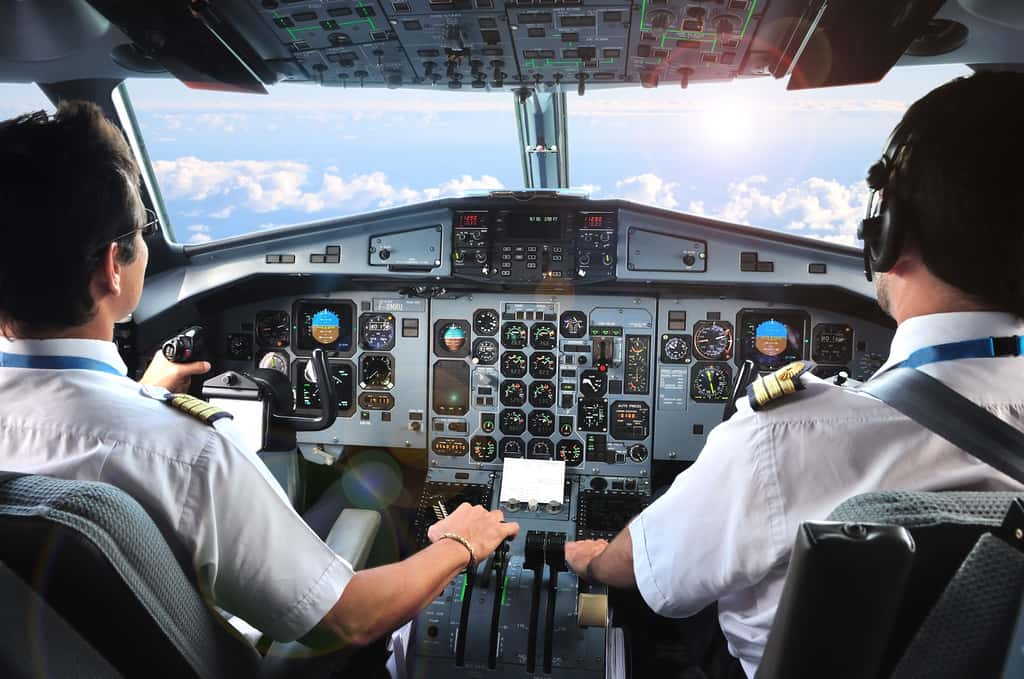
(344, 43)
(450, 49)
(571, 43)
(682, 40)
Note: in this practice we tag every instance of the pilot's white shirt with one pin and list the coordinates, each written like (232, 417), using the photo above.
(724, 529)
(250, 549)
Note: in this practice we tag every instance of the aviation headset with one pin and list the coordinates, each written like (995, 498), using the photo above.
(884, 227)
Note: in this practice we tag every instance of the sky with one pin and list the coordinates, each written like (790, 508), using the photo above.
(746, 151)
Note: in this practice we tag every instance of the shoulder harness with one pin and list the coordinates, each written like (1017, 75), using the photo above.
(784, 381)
(197, 408)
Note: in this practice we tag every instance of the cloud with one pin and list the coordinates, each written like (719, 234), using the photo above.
(200, 234)
(223, 213)
(819, 208)
(266, 186)
(649, 189)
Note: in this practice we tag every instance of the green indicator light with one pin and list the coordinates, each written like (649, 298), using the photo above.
(462, 594)
(504, 590)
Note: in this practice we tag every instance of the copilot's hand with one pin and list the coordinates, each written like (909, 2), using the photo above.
(579, 555)
(174, 377)
(483, 530)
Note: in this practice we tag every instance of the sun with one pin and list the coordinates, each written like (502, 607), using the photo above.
(728, 121)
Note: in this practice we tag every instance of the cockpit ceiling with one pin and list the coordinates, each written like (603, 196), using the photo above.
(484, 45)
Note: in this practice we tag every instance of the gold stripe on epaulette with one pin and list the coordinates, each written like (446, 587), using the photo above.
(784, 381)
(197, 408)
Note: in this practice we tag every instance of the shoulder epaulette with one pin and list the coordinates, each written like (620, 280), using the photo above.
(197, 408)
(782, 382)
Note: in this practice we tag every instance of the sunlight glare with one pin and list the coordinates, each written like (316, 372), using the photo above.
(727, 121)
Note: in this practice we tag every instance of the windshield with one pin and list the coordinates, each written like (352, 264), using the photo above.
(744, 151)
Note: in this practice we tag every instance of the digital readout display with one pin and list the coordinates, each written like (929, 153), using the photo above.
(534, 227)
(468, 219)
(595, 222)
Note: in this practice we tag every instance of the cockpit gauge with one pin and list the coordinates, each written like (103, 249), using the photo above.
(592, 415)
(483, 449)
(451, 337)
(511, 447)
(485, 322)
(239, 346)
(377, 331)
(512, 421)
(485, 351)
(512, 393)
(570, 451)
(713, 340)
(275, 360)
(868, 365)
(711, 382)
(273, 329)
(513, 364)
(542, 394)
(513, 335)
(573, 324)
(543, 365)
(637, 452)
(543, 336)
(541, 423)
(539, 449)
(376, 371)
(593, 383)
(833, 343)
(675, 349)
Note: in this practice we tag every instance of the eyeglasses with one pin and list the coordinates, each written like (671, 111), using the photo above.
(151, 226)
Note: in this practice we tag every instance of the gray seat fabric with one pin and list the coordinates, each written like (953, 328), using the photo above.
(119, 528)
(967, 632)
(912, 509)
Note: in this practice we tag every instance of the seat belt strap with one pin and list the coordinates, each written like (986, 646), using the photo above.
(943, 411)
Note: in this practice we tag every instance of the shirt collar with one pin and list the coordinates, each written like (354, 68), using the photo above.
(932, 329)
(97, 350)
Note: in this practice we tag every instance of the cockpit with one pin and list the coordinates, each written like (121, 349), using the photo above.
(525, 254)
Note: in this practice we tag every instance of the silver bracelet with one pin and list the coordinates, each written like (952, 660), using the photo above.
(465, 543)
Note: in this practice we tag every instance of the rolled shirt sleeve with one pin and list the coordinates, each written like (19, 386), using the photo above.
(719, 527)
(255, 555)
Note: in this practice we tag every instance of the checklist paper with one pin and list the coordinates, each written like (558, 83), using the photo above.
(533, 481)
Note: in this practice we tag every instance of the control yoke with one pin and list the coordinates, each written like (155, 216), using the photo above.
(328, 400)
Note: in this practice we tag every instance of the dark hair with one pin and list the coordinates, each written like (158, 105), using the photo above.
(960, 179)
(68, 188)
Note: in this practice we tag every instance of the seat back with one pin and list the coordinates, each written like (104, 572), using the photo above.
(854, 598)
(94, 555)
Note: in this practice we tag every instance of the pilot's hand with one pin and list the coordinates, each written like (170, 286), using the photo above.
(579, 555)
(483, 529)
(174, 377)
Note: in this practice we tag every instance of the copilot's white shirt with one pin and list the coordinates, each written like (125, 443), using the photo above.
(725, 528)
(251, 550)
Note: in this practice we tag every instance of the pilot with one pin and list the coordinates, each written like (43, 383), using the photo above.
(948, 268)
(72, 263)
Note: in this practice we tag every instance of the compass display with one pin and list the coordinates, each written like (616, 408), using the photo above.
(377, 331)
(833, 343)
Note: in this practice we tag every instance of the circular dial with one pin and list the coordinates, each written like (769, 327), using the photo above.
(485, 351)
(511, 447)
(541, 423)
(593, 383)
(377, 331)
(513, 364)
(833, 343)
(512, 421)
(543, 336)
(711, 383)
(485, 322)
(712, 340)
(675, 348)
(543, 365)
(272, 329)
(573, 324)
(542, 394)
(376, 371)
(513, 335)
(570, 451)
(453, 337)
(868, 365)
(483, 449)
(240, 347)
(540, 449)
(513, 393)
(637, 452)
(275, 360)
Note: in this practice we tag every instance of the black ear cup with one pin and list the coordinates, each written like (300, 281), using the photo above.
(882, 228)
